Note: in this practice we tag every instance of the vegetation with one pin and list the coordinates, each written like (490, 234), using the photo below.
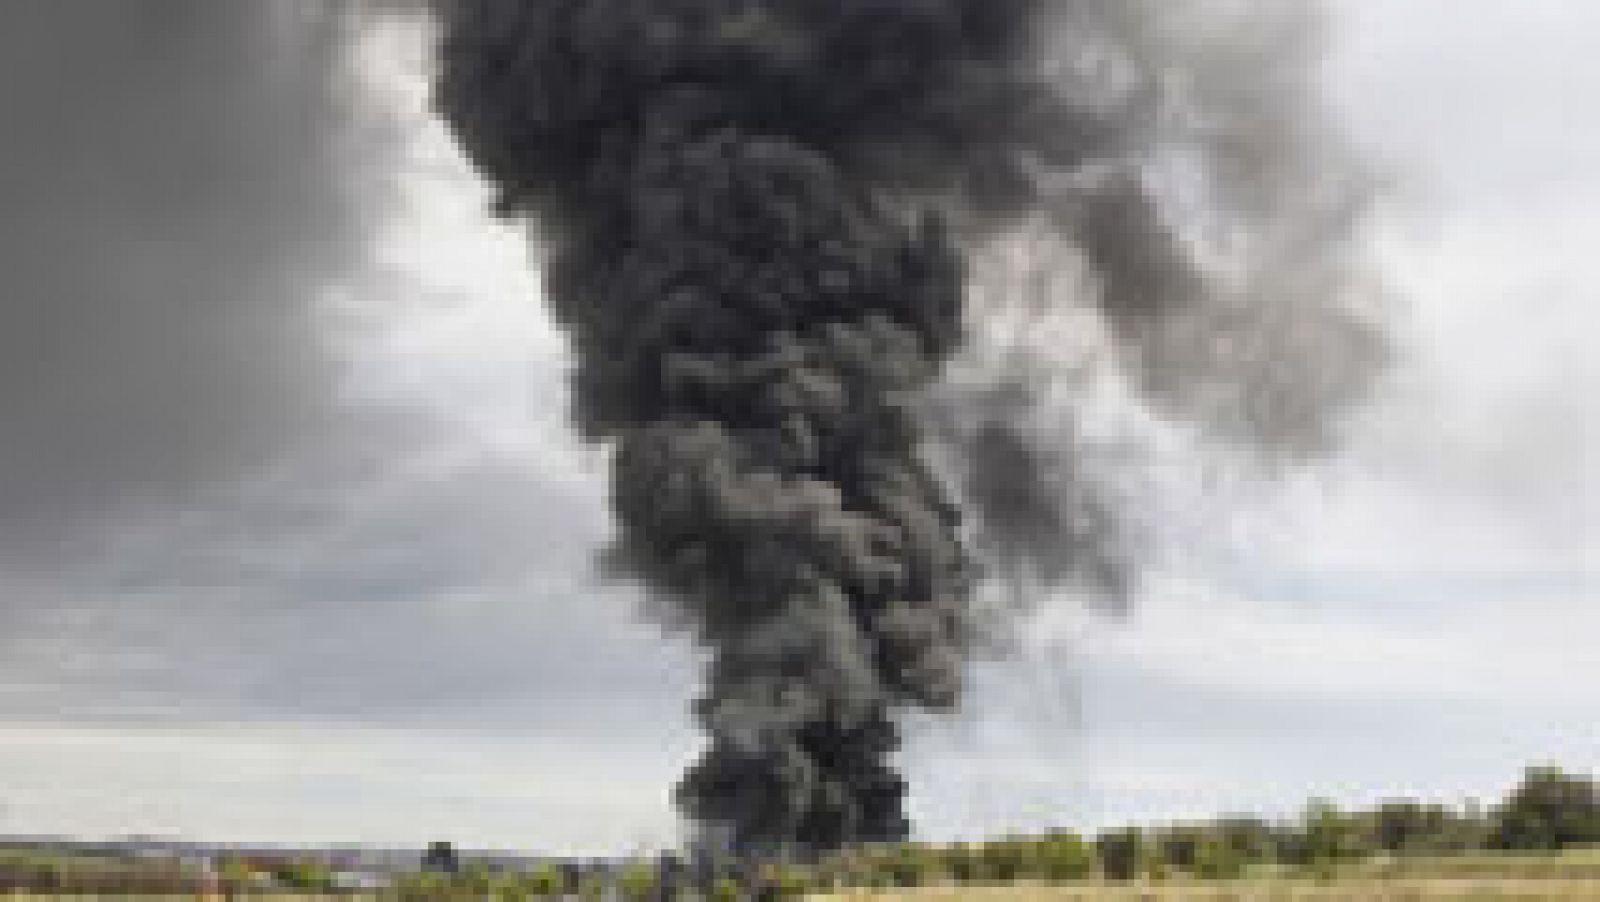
(1396, 842)
(1546, 831)
(1549, 811)
(54, 874)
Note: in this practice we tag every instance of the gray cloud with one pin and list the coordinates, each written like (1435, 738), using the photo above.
(181, 181)
(384, 575)
(209, 511)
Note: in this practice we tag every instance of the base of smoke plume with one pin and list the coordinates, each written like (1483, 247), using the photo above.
(729, 188)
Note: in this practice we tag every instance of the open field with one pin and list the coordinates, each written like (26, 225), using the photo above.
(1253, 891)
(1569, 876)
(47, 874)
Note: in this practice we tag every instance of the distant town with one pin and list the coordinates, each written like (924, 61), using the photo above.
(274, 867)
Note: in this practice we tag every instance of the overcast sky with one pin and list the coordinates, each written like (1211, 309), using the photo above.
(376, 617)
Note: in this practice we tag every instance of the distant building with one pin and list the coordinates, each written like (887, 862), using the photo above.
(441, 858)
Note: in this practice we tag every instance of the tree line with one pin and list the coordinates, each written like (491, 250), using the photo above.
(1549, 810)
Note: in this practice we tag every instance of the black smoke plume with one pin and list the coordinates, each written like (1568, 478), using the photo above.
(761, 217)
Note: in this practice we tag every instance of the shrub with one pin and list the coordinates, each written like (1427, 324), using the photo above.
(1547, 811)
(1008, 859)
(1064, 856)
(726, 889)
(964, 863)
(1124, 854)
(1214, 859)
(546, 880)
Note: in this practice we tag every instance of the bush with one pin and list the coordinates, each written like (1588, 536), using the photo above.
(1214, 859)
(909, 865)
(1007, 860)
(1549, 810)
(637, 883)
(305, 874)
(592, 888)
(1124, 854)
(1250, 839)
(546, 880)
(1178, 845)
(1326, 837)
(1064, 856)
(726, 889)
(964, 863)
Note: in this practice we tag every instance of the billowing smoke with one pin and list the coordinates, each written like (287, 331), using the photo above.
(766, 221)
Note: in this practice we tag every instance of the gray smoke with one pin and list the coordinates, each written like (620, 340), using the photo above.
(762, 219)
(181, 181)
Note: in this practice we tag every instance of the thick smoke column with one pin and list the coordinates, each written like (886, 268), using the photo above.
(759, 214)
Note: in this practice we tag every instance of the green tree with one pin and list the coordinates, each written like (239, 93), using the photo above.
(1328, 837)
(591, 888)
(234, 873)
(1398, 825)
(424, 885)
(964, 862)
(545, 880)
(909, 864)
(1215, 858)
(1467, 829)
(1124, 854)
(1549, 810)
(1007, 860)
(475, 878)
(637, 882)
(1179, 843)
(1251, 839)
(1406, 826)
(305, 874)
(1064, 856)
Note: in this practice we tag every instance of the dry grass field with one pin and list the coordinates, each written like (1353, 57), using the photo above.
(1251, 891)
(1570, 876)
